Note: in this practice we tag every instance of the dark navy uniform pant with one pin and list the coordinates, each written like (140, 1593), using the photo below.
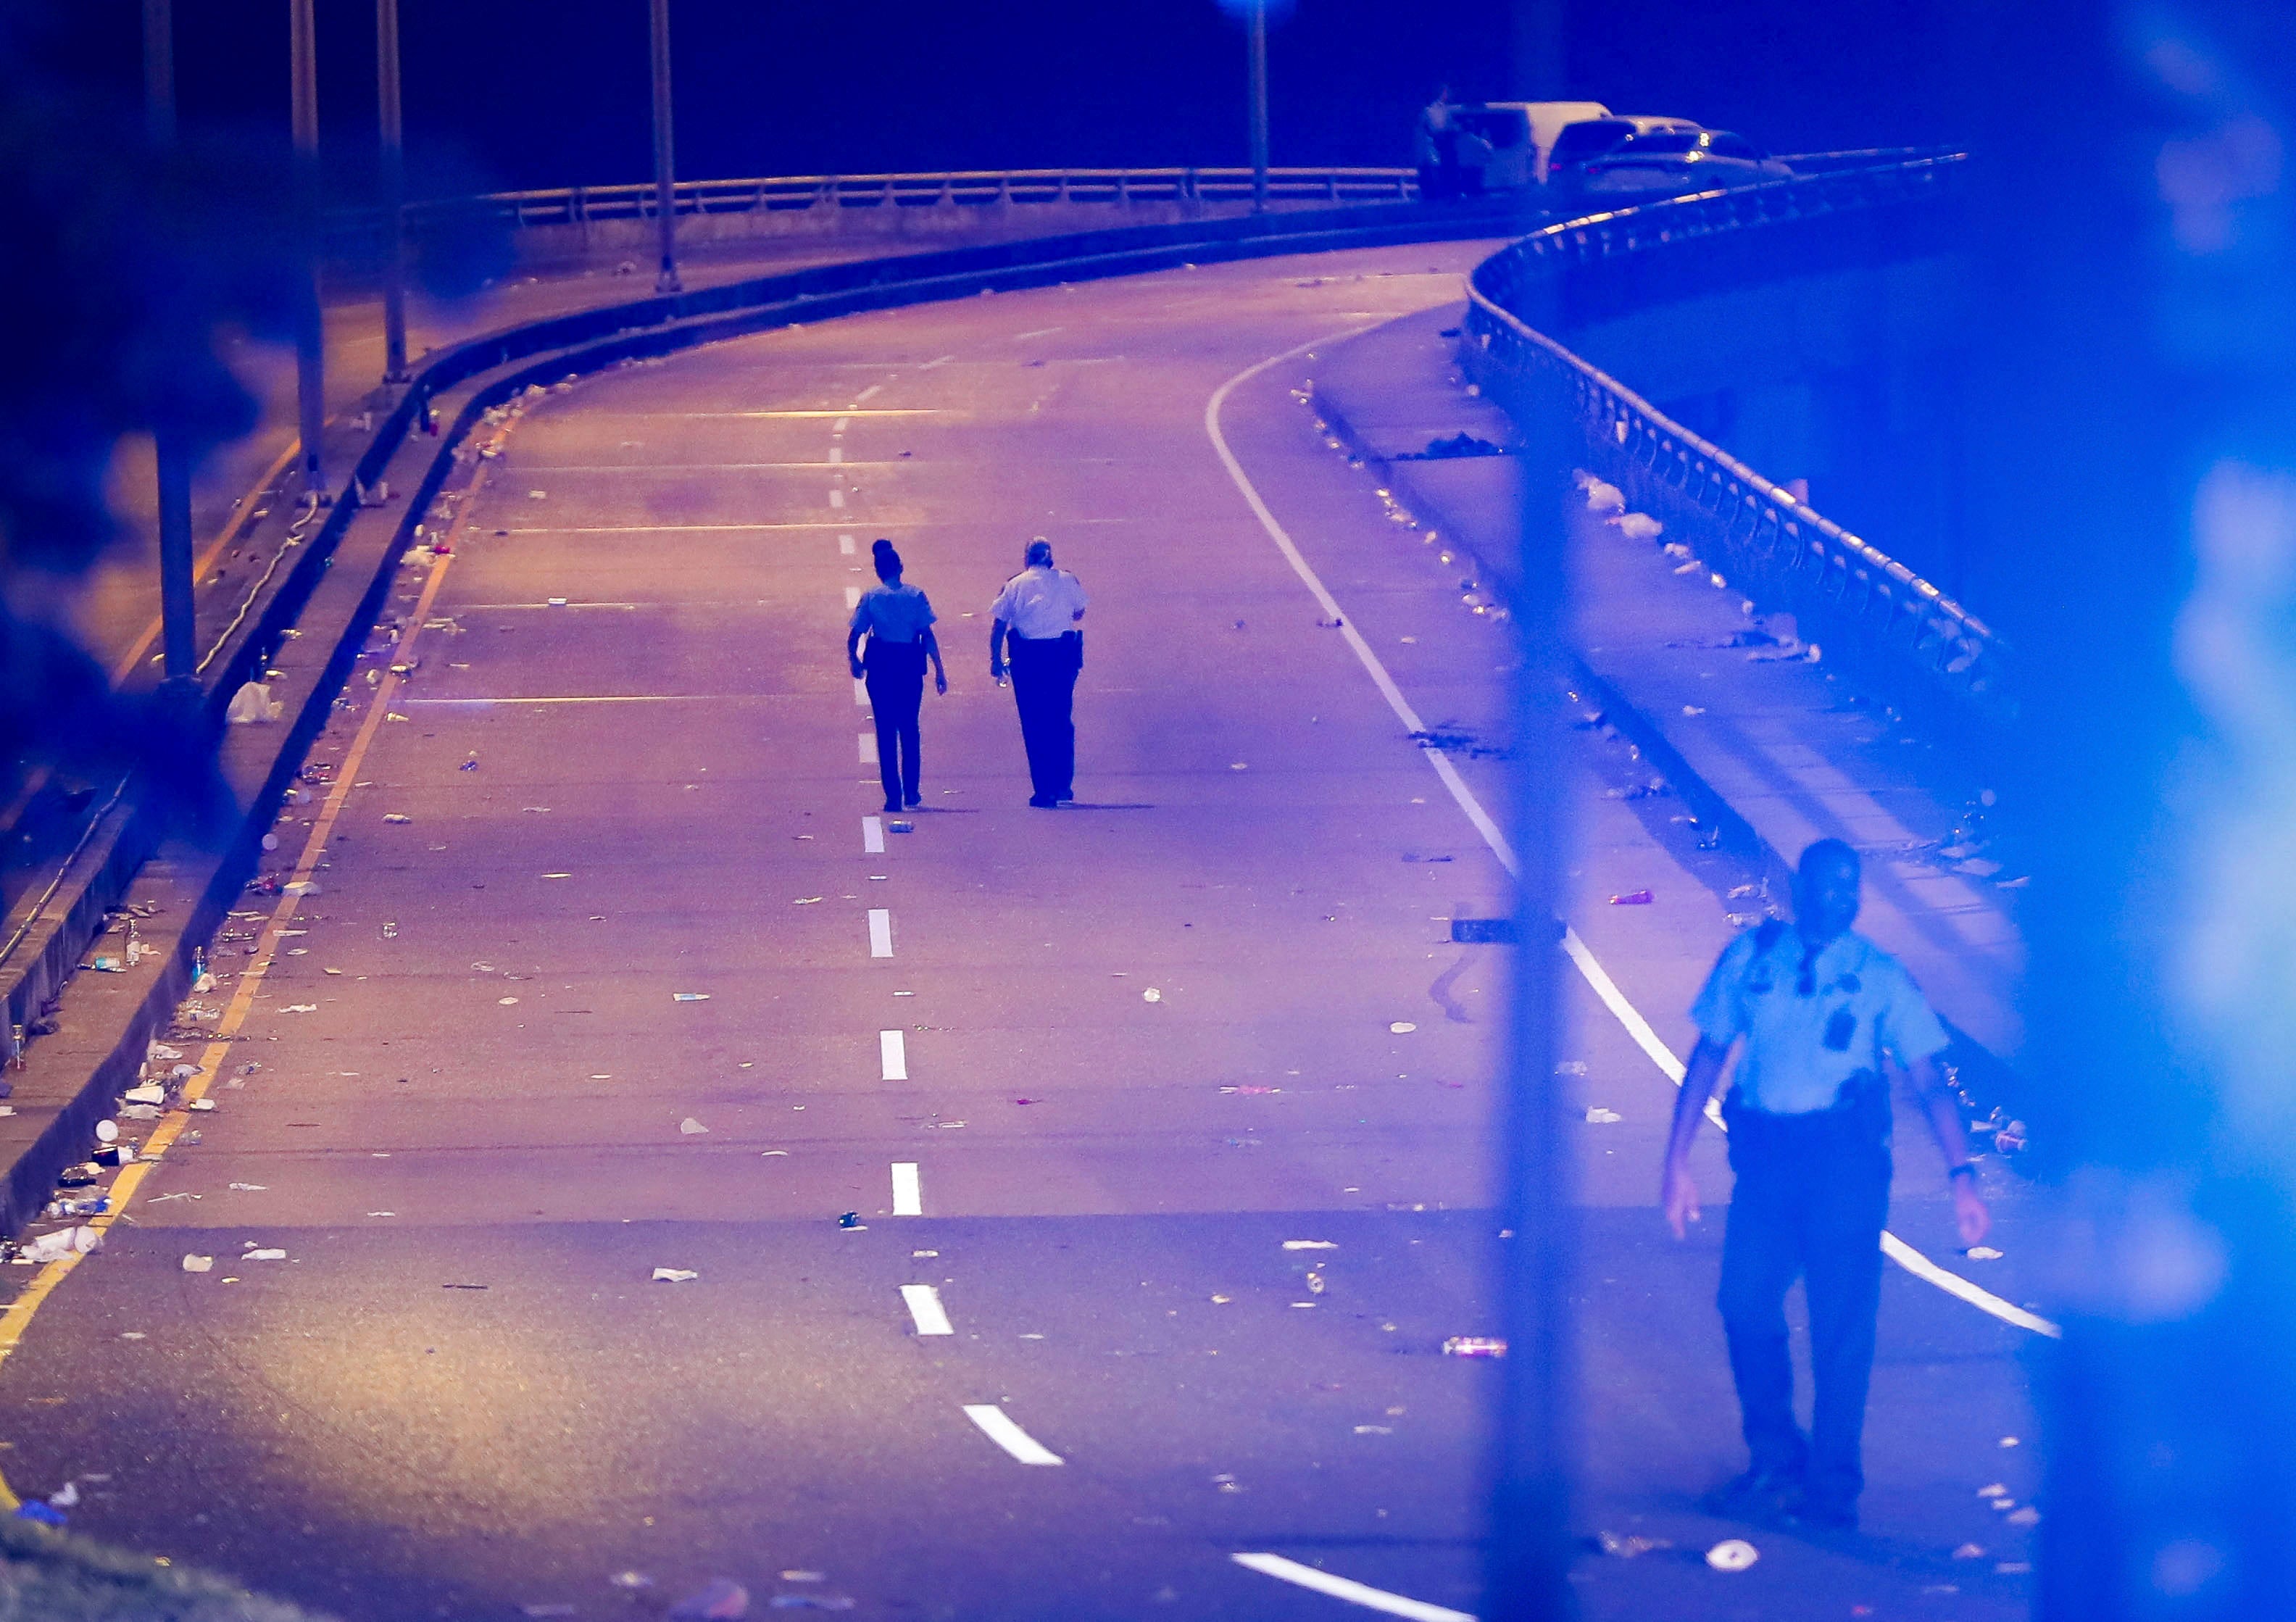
(894, 672)
(1812, 1196)
(1044, 686)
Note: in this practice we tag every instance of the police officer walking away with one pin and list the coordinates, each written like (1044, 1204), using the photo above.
(1822, 1012)
(1040, 613)
(897, 621)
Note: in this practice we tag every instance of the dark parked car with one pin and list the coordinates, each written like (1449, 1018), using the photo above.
(1592, 138)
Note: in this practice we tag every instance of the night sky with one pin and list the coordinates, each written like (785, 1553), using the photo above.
(505, 93)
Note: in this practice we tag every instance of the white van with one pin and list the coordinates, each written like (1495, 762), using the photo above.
(1501, 146)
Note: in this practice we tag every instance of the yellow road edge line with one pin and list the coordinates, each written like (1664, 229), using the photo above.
(16, 1320)
(238, 521)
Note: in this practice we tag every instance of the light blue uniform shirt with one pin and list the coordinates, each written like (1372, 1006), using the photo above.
(1862, 1006)
(893, 613)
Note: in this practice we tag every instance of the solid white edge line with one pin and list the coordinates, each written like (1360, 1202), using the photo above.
(873, 835)
(925, 1310)
(880, 931)
(997, 1426)
(1352, 1592)
(1592, 971)
(908, 1190)
(892, 1055)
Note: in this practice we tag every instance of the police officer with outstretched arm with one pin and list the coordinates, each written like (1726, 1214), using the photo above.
(1822, 1014)
(1040, 616)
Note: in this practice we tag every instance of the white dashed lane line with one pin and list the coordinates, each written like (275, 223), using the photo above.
(845, 544)
(892, 1055)
(873, 835)
(880, 931)
(1344, 1588)
(908, 1190)
(868, 746)
(925, 1310)
(852, 598)
(1912, 1260)
(997, 1426)
(836, 455)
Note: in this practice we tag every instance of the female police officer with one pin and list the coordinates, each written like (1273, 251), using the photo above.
(897, 621)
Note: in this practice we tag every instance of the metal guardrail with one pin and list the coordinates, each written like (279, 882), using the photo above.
(1843, 592)
(970, 188)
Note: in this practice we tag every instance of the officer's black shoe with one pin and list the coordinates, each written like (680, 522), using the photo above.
(915, 800)
(1756, 1494)
(894, 806)
(1044, 802)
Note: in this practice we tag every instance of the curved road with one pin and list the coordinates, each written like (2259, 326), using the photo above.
(608, 972)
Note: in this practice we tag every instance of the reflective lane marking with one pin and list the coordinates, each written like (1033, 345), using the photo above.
(881, 932)
(845, 544)
(841, 413)
(925, 1310)
(868, 749)
(867, 392)
(999, 1429)
(1921, 1267)
(1604, 986)
(893, 1059)
(837, 498)
(852, 598)
(836, 455)
(873, 835)
(838, 427)
(1040, 333)
(1353, 1592)
(908, 1190)
(861, 692)
(943, 361)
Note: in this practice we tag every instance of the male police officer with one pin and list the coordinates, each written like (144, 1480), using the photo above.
(1040, 613)
(1822, 1012)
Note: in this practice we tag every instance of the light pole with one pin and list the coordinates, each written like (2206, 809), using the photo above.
(177, 645)
(394, 192)
(310, 328)
(665, 181)
(1256, 37)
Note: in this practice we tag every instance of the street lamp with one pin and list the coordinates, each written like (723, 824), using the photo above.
(394, 192)
(310, 330)
(1254, 13)
(665, 183)
(179, 651)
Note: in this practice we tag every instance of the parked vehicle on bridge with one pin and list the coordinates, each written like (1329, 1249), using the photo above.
(1581, 143)
(1499, 146)
(1669, 162)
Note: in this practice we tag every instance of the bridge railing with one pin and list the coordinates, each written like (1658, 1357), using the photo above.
(1845, 593)
(965, 188)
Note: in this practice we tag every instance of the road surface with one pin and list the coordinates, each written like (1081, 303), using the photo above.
(1175, 1105)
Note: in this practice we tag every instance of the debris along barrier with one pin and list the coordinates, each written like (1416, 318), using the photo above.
(1870, 613)
(303, 638)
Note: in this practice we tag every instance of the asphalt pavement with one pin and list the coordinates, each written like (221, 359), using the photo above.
(1172, 1108)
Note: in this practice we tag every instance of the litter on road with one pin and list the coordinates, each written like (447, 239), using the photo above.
(199, 1264)
(690, 1126)
(674, 1275)
(1311, 1244)
(1633, 897)
(1474, 1346)
(689, 996)
(723, 1600)
(1152, 995)
(1733, 1554)
(1596, 1116)
(1402, 1028)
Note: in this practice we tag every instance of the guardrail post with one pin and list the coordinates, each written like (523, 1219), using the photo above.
(665, 185)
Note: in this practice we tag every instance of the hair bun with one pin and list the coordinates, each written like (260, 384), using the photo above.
(879, 547)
